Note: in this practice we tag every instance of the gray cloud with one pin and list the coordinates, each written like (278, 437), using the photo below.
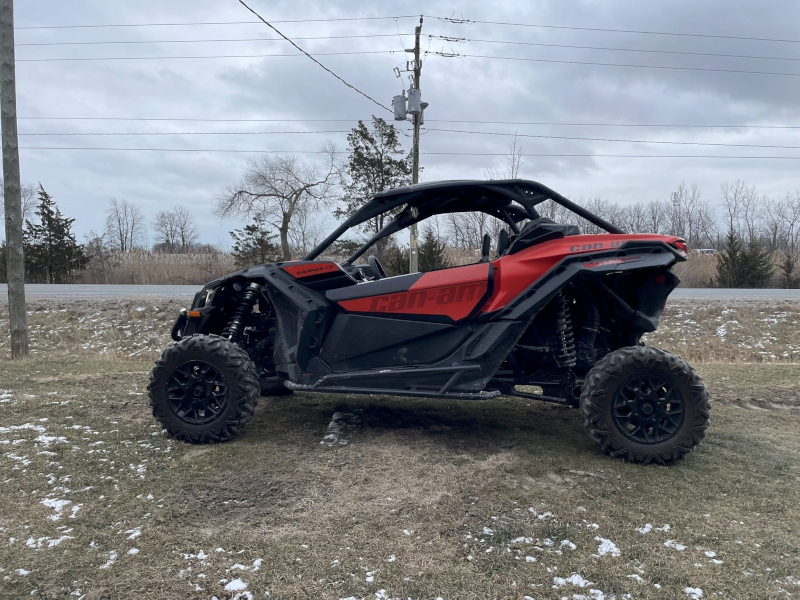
(293, 88)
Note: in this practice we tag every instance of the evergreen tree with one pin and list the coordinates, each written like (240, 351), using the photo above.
(741, 267)
(254, 244)
(432, 251)
(789, 276)
(757, 266)
(52, 254)
(376, 163)
(396, 259)
(729, 265)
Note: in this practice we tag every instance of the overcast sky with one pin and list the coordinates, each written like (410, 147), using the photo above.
(297, 96)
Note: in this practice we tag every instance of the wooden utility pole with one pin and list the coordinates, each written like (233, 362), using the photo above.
(414, 250)
(15, 258)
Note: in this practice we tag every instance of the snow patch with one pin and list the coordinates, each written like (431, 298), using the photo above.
(236, 585)
(57, 505)
(606, 547)
(46, 440)
(693, 593)
(646, 529)
(574, 579)
(112, 558)
(673, 544)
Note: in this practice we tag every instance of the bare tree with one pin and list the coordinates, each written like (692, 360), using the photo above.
(775, 225)
(514, 162)
(277, 187)
(657, 217)
(306, 232)
(186, 228)
(28, 193)
(166, 232)
(691, 217)
(791, 215)
(735, 197)
(124, 225)
(176, 230)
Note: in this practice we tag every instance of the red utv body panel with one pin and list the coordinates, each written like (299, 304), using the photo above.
(455, 293)
(458, 291)
(310, 269)
(516, 272)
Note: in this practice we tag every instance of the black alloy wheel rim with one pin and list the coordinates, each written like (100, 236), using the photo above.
(648, 409)
(197, 392)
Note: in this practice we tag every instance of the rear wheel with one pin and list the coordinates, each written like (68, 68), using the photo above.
(645, 405)
(203, 389)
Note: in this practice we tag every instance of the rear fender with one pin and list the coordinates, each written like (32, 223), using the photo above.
(641, 301)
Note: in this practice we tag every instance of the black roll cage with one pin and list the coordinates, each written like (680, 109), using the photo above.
(510, 200)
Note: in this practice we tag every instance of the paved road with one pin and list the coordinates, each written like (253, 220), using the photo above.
(99, 291)
(187, 291)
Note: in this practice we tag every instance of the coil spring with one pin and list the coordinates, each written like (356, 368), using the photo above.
(563, 339)
(233, 330)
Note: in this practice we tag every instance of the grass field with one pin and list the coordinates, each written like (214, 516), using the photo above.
(375, 497)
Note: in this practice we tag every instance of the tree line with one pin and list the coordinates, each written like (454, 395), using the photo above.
(284, 201)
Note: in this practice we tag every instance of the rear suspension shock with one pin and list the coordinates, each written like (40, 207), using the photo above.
(233, 330)
(563, 339)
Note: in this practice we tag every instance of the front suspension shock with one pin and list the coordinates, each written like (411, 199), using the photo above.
(235, 327)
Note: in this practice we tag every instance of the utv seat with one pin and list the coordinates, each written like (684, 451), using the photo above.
(502, 243)
(538, 231)
(486, 248)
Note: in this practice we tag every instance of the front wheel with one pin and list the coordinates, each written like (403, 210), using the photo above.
(203, 389)
(645, 405)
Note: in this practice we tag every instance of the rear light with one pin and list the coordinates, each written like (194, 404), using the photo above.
(680, 245)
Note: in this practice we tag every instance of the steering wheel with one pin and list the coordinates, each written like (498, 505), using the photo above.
(375, 267)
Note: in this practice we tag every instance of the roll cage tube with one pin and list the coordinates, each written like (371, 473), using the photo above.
(495, 198)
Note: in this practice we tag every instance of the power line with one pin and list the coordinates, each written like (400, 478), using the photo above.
(710, 126)
(444, 19)
(600, 64)
(676, 52)
(384, 35)
(322, 37)
(352, 87)
(460, 131)
(555, 123)
(143, 133)
(212, 23)
(195, 150)
(100, 58)
(607, 30)
(589, 139)
(511, 58)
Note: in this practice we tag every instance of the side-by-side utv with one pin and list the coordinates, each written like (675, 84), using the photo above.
(550, 314)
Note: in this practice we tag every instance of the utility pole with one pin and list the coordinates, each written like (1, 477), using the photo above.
(15, 258)
(414, 250)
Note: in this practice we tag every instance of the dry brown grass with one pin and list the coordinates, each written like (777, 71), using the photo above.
(410, 505)
(730, 330)
(459, 478)
(698, 330)
(158, 268)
